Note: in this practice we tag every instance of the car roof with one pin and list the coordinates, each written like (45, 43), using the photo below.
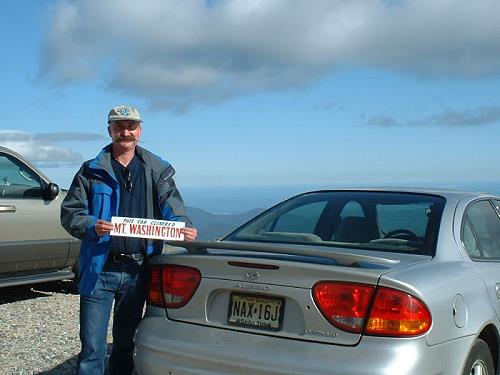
(449, 194)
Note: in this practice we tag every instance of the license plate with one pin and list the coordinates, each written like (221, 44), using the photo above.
(256, 311)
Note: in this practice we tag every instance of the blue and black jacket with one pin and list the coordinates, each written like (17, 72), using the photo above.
(94, 194)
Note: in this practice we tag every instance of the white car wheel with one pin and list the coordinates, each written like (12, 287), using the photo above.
(479, 361)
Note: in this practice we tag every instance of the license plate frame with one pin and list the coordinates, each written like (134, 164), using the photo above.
(256, 312)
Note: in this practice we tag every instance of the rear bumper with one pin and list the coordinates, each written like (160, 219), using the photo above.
(174, 348)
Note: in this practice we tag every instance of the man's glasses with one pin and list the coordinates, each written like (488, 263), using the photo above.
(127, 183)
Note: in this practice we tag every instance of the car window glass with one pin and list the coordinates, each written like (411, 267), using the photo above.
(469, 241)
(413, 217)
(352, 208)
(290, 221)
(17, 180)
(486, 224)
(350, 219)
(497, 205)
(302, 219)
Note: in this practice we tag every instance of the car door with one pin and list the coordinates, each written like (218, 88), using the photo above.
(31, 237)
(481, 239)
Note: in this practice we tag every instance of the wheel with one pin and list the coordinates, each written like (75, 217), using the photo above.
(479, 361)
(403, 234)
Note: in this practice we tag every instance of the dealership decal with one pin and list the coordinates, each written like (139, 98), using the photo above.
(147, 228)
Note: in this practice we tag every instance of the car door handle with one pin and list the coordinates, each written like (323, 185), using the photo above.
(497, 290)
(9, 208)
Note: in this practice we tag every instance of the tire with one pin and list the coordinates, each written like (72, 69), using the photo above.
(479, 361)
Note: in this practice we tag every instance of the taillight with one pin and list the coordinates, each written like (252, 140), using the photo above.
(349, 306)
(153, 287)
(343, 304)
(172, 286)
(395, 313)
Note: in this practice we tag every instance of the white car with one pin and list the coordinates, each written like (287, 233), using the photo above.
(340, 282)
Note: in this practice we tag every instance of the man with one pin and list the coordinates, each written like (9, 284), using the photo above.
(123, 180)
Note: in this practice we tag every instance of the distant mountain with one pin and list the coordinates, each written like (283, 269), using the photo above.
(211, 226)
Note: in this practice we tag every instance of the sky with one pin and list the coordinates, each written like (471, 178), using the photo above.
(261, 92)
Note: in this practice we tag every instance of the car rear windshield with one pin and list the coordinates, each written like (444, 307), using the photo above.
(382, 221)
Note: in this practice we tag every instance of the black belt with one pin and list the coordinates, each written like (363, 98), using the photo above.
(120, 257)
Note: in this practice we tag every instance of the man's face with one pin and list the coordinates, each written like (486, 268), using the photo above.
(125, 133)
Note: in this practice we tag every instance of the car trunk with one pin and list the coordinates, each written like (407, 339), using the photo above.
(267, 289)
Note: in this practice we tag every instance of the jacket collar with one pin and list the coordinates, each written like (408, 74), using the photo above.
(151, 160)
(103, 161)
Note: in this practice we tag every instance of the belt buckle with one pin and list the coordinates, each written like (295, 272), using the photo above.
(139, 259)
(136, 257)
(120, 257)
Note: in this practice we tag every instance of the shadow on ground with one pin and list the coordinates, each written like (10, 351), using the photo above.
(31, 291)
(68, 367)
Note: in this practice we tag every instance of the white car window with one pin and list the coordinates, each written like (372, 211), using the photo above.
(469, 241)
(413, 217)
(349, 219)
(497, 205)
(302, 219)
(485, 223)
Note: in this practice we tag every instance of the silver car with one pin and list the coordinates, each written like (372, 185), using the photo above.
(343, 282)
(34, 247)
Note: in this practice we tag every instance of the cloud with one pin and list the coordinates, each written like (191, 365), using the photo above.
(17, 136)
(40, 149)
(476, 117)
(176, 53)
(383, 120)
(471, 118)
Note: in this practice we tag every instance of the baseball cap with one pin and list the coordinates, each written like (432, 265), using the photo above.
(124, 112)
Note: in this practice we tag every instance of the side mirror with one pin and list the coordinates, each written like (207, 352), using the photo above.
(51, 191)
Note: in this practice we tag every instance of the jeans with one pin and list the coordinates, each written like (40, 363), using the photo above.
(123, 282)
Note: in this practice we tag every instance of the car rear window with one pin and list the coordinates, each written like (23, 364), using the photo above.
(382, 221)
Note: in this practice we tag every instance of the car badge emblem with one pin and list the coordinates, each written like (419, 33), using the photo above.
(252, 275)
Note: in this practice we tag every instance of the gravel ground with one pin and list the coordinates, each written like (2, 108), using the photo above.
(39, 329)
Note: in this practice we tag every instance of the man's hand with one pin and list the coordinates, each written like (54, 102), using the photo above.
(103, 227)
(189, 233)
